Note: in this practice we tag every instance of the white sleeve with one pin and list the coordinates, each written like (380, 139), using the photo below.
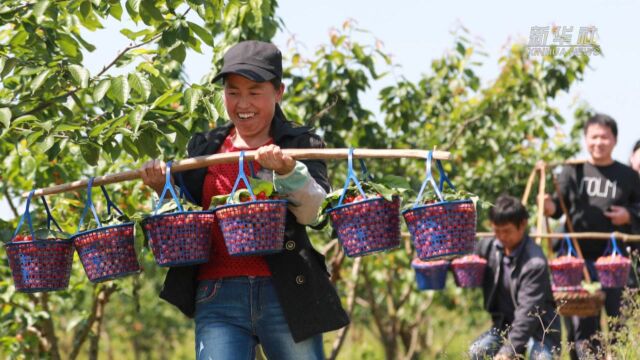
(305, 195)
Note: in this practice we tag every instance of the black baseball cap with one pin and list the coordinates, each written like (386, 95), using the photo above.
(256, 60)
(636, 146)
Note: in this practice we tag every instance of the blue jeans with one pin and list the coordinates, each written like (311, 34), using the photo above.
(487, 345)
(233, 315)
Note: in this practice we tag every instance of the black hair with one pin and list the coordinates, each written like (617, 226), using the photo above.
(508, 210)
(602, 120)
(636, 146)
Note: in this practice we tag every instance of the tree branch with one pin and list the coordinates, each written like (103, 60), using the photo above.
(100, 298)
(48, 328)
(14, 210)
(450, 144)
(342, 334)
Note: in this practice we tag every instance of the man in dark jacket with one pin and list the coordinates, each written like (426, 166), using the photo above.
(516, 289)
(601, 195)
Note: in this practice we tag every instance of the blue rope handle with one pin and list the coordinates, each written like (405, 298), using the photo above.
(351, 176)
(168, 187)
(26, 215)
(612, 246)
(570, 249)
(110, 204)
(184, 193)
(366, 176)
(243, 177)
(49, 216)
(429, 180)
(88, 204)
(443, 177)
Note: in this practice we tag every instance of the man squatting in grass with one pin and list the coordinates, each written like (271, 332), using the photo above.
(517, 290)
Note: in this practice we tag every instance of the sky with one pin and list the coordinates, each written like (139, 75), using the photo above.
(416, 32)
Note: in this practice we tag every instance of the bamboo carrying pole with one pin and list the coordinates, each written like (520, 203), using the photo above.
(581, 235)
(206, 160)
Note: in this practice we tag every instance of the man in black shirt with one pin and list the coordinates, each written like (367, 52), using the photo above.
(517, 290)
(602, 195)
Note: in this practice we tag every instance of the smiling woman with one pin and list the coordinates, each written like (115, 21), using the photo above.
(288, 284)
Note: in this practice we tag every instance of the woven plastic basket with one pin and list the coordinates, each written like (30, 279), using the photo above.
(42, 264)
(613, 269)
(106, 252)
(366, 226)
(442, 230)
(579, 303)
(468, 271)
(566, 271)
(180, 238)
(430, 275)
(255, 227)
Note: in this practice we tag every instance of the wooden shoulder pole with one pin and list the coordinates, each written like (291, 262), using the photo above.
(207, 160)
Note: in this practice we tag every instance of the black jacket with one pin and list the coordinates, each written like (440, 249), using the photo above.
(310, 303)
(588, 191)
(530, 292)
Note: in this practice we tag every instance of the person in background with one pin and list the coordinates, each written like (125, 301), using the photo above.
(634, 160)
(601, 195)
(282, 301)
(517, 290)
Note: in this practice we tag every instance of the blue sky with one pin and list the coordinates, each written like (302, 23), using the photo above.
(415, 32)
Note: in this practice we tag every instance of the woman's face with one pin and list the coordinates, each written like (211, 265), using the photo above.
(250, 105)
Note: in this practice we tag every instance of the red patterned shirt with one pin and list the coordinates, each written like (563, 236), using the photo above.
(219, 181)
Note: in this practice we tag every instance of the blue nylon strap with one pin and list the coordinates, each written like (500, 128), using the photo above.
(27, 216)
(428, 180)
(88, 204)
(570, 249)
(443, 177)
(252, 171)
(168, 187)
(366, 176)
(351, 176)
(243, 177)
(184, 193)
(612, 246)
(110, 204)
(49, 216)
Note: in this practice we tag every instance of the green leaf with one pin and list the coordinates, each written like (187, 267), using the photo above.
(135, 117)
(150, 9)
(39, 8)
(149, 68)
(202, 33)
(33, 137)
(23, 119)
(140, 84)
(68, 45)
(8, 66)
(46, 144)
(191, 98)
(5, 117)
(133, 6)
(178, 53)
(80, 75)
(101, 89)
(90, 152)
(147, 144)
(116, 10)
(119, 89)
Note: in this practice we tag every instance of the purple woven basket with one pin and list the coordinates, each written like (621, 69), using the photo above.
(367, 226)
(253, 227)
(566, 272)
(443, 230)
(430, 275)
(41, 265)
(181, 238)
(468, 271)
(107, 253)
(613, 271)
